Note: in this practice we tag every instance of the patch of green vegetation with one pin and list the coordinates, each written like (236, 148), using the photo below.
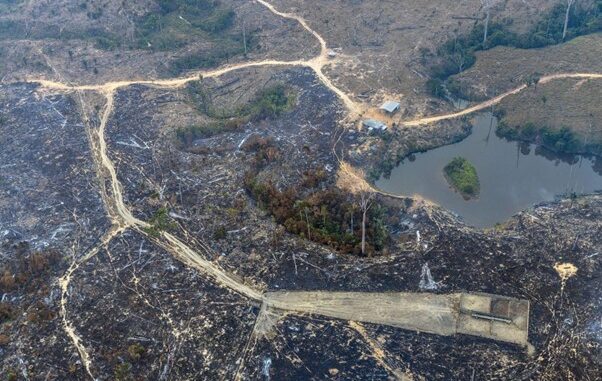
(327, 216)
(176, 24)
(458, 54)
(123, 372)
(434, 86)
(182, 21)
(11, 29)
(136, 351)
(223, 50)
(462, 175)
(11, 375)
(268, 103)
(561, 140)
(160, 221)
(220, 233)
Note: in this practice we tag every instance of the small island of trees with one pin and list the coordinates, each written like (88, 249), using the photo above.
(462, 176)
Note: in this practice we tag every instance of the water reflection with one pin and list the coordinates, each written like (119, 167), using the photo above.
(513, 175)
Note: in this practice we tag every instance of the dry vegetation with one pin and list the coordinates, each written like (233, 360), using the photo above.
(91, 41)
(572, 104)
(285, 224)
(383, 45)
(503, 68)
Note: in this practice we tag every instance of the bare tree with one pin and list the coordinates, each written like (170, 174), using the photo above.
(459, 57)
(353, 180)
(569, 4)
(487, 6)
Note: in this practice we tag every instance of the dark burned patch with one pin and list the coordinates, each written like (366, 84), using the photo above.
(307, 348)
(50, 210)
(48, 190)
(141, 313)
(205, 195)
(31, 333)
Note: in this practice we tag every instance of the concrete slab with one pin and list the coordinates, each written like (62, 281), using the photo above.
(471, 314)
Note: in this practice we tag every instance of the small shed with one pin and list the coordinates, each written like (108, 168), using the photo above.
(390, 107)
(373, 124)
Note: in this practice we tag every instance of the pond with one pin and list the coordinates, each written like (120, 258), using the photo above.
(513, 175)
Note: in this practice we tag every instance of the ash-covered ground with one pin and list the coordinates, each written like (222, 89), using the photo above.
(51, 213)
(84, 296)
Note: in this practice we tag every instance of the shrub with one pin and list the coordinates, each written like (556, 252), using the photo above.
(123, 372)
(7, 312)
(159, 222)
(327, 216)
(267, 103)
(434, 87)
(220, 233)
(559, 140)
(7, 281)
(136, 351)
(39, 313)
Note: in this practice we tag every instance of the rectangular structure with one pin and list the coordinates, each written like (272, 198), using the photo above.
(390, 107)
(490, 316)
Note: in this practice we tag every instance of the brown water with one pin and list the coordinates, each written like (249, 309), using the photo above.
(513, 175)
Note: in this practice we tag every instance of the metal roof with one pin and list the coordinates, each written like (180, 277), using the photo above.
(374, 124)
(390, 106)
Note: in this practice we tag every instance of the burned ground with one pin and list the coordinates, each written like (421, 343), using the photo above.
(49, 192)
(125, 307)
(145, 315)
(51, 212)
(516, 259)
(205, 191)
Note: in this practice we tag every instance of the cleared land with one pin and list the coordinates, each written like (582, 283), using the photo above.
(570, 103)
(490, 316)
(382, 44)
(500, 69)
(71, 40)
(85, 296)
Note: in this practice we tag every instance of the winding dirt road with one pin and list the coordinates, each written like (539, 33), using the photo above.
(497, 99)
(122, 218)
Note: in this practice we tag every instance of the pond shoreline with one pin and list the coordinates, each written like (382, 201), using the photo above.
(513, 175)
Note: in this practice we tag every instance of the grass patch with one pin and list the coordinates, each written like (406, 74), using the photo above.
(268, 103)
(180, 21)
(224, 49)
(462, 176)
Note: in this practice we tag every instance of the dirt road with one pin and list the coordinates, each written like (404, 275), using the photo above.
(423, 312)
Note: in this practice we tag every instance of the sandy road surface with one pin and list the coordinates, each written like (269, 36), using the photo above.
(415, 311)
